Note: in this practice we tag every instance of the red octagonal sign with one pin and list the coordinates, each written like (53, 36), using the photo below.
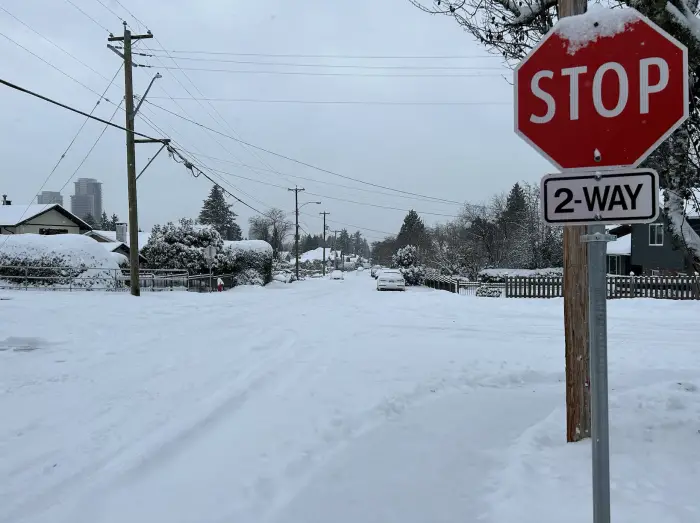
(601, 90)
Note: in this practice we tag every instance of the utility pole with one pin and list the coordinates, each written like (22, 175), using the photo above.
(296, 232)
(578, 413)
(131, 153)
(324, 240)
(335, 250)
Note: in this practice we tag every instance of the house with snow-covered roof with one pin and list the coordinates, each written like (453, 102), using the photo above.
(45, 219)
(648, 249)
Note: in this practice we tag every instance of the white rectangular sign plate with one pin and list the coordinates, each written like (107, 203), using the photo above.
(619, 197)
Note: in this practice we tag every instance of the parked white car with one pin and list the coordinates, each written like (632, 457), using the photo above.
(374, 272)
(337, 275)
(391, 280)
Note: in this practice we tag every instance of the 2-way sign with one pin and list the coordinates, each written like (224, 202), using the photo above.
(601, 90)
(629, 196)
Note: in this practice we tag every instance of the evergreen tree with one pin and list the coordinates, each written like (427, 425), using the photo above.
(344, 242)
(357, 243)
(104, 222)
(113, 223)
(90, 220)
(412, 231)
(217, 213)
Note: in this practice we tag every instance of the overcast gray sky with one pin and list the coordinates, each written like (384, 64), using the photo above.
(456, 152)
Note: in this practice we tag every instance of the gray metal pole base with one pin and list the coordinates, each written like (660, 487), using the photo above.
(598, 357)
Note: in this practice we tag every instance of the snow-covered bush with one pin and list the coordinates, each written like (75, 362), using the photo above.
(182, 246)
(241, 257)
(413, 275)
(500, 275)
(406, 259)
(58, 261)
(486, 291)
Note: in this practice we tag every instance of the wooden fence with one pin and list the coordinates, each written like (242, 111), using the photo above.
(659, 287)
(458, 285)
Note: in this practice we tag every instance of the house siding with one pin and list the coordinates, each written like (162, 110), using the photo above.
(51, 219)
(665, 258)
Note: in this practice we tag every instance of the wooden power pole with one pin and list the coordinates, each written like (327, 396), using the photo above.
(296, 232)
(324, 213)
(131, 154)
(578, 413)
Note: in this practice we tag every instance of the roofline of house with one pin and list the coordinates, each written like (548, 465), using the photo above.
(58, 207)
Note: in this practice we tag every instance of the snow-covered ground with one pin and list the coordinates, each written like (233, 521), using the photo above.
(326, 401)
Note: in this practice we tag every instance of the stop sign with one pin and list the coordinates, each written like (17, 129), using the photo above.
(601, 90)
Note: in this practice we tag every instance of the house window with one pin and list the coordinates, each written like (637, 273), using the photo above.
(613, 265)
(48, 232)
(656, 234)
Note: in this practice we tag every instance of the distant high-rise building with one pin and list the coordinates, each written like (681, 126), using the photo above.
(87, 199)
(49, 197)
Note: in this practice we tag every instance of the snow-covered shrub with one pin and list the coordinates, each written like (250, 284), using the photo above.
(500, 275)
(405, 257)
(58, 261)
(182, 246)
(413, 275)
(250, 255)
(486, 291)
(248, 277)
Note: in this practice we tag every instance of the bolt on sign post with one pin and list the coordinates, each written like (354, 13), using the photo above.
(595, 97)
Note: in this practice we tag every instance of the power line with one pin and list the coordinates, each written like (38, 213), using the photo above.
(109, 9)
(334, 184)
(52, 66)
(341, 56)
(130, 14)
(343, 66)
(334, 197)
(92, 148)
(340, 102)
(357, 227)
(313, 73)
(73, 109)
(88, 16)
(311, 166)
(71, 55)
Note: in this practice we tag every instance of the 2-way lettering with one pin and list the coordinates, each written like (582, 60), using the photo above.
(606, 198)
(621, 196)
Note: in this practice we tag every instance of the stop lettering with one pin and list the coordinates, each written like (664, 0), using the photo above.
(601, 90)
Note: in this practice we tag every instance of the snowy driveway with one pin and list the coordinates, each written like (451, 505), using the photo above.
(328, 401)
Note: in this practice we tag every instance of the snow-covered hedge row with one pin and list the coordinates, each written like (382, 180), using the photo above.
(58, 261)
(249, 260)
(183, 245)
(500, 275)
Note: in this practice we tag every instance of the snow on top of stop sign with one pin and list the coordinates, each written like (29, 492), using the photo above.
(598, 22)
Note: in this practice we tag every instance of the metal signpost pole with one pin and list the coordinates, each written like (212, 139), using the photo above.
(598, 356)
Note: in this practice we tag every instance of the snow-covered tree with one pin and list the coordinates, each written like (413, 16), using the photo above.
(216, 211)
(272, 227)
(113, 222)
(413, 231)
(90, 220)
(104, 222)
(406, 259)
(512, 29)
(182, 246)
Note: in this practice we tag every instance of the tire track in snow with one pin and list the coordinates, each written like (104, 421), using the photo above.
(146, 450)
(299, 472)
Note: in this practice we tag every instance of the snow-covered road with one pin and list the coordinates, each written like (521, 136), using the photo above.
(328, 401)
